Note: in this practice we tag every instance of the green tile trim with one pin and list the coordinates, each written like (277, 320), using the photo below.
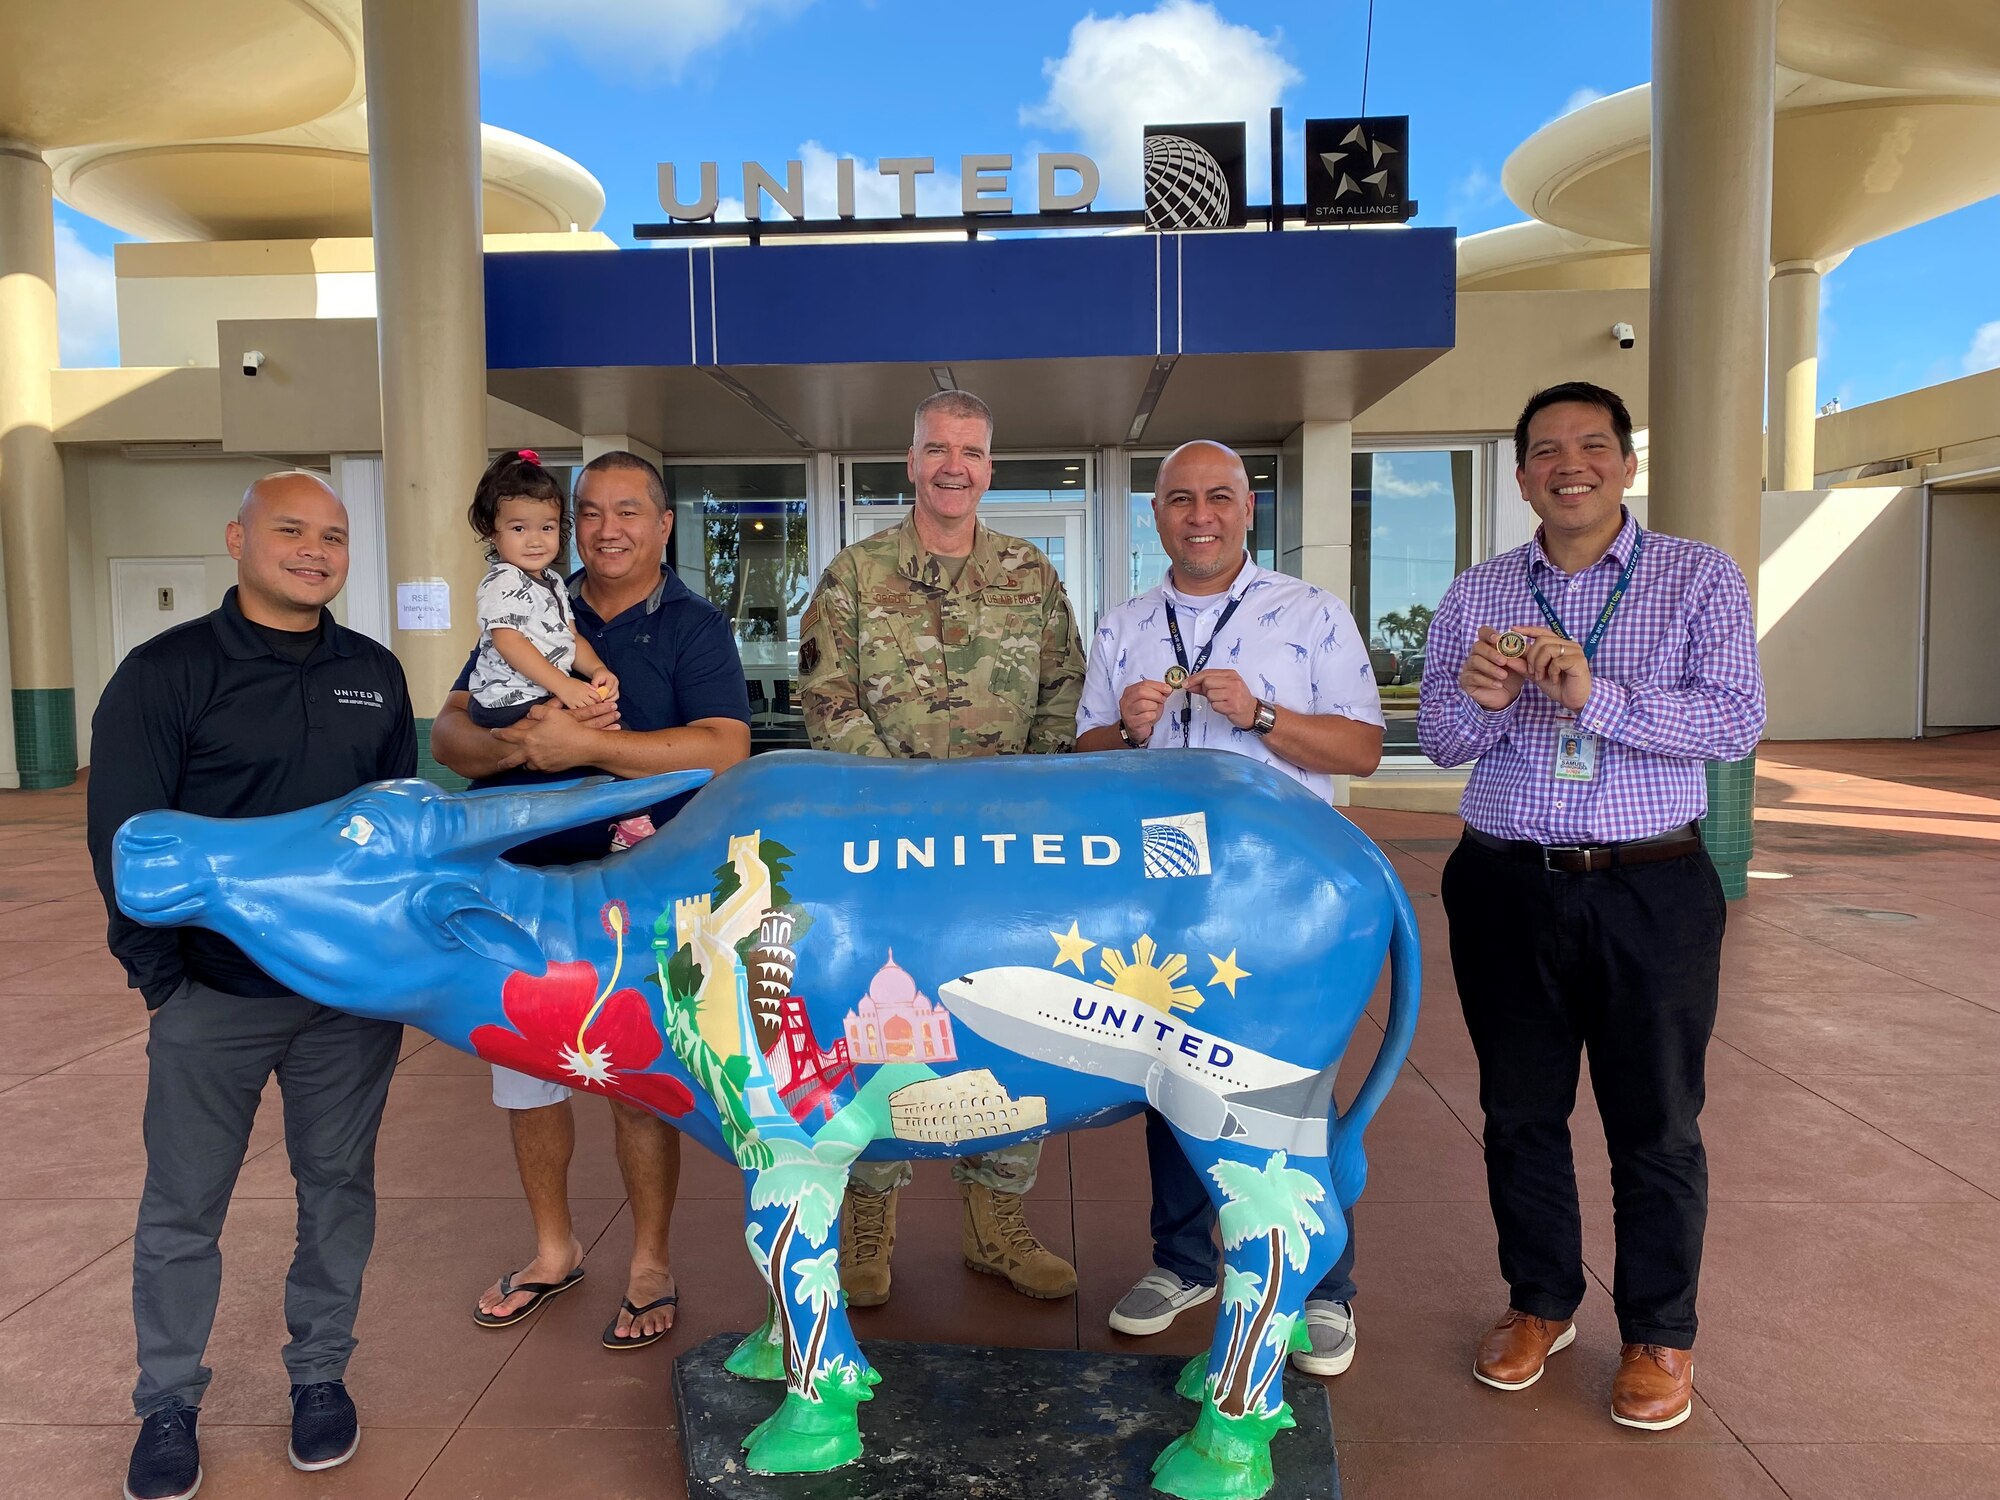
(429, 769)
(1728, 830)
(45, 737)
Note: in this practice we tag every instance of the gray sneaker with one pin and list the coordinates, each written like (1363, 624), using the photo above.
(1330, 1326)
(1156, 1301)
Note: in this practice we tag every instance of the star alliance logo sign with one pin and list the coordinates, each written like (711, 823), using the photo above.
(1358, 170)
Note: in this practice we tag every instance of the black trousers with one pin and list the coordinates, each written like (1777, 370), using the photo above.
(209, 1055)
(1622, 964)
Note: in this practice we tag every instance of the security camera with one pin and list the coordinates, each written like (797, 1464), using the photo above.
(253, 361)
(1624, 334)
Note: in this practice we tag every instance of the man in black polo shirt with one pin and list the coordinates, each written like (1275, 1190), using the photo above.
(265, 706)
(682, 704)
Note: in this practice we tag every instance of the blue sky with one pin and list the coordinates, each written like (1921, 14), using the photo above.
(623, 84)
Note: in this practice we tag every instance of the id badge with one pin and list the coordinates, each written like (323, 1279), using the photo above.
(1576, 755)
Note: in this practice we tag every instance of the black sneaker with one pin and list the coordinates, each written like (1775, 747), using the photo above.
(325, 1431)
(166, 1461)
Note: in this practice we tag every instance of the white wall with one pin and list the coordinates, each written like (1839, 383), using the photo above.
(1837, 622)
(124, 507)
(170, 320)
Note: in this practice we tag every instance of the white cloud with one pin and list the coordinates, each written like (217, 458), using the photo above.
(86, 302)
(1472, 196)
(1579, 98)
(1985, 351)
(618, 35)
(1387, 481)
(1180, 62)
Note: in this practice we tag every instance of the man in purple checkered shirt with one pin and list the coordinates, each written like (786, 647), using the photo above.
(1590, 674)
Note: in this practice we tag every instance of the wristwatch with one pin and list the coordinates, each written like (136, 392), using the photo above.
(1266, 720)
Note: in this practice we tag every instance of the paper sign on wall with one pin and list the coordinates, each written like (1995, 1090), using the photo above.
(423, 604)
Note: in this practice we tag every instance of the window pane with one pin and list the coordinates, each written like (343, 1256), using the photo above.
(739, 541)
(1412, 535)
(1149, 558)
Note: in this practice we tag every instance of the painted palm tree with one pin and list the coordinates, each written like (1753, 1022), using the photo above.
(809, 1189)
(1278, 1339)
(1239, 1299)
(1274, 1203)
(819, 1287)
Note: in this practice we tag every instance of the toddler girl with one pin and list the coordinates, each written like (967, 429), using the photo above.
(528, 645)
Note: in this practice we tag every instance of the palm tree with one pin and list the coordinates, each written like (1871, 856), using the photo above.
(1278, 1338)
(810, 1191)
(1274, 1203)
(1239, 1296)
(819, 1285)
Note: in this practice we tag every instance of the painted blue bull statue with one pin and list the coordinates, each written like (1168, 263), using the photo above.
(828, 957)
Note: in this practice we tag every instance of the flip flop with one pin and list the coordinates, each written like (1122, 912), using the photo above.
(614, 1340)
(541, 1290)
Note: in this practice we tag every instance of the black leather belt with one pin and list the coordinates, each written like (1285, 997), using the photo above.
(1591, 859)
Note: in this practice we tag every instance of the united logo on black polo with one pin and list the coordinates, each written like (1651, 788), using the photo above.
(1194, 176)
(1359, 170)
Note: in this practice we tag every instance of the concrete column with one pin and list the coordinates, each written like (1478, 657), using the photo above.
(423, 148)
(1791, 402)
(1316, 516)
(33, 528)
(1714, 65)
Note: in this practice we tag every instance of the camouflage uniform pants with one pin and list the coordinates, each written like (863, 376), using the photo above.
(1010, 1169)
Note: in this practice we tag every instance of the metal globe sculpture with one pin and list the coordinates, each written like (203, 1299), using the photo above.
(1186, 187)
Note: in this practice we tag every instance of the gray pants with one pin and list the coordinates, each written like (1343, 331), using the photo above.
(209, 1056)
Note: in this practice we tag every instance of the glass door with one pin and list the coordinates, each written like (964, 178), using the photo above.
(739, 541)
(1412, 534)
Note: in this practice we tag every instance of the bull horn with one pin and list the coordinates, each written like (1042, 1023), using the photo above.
(492, 823)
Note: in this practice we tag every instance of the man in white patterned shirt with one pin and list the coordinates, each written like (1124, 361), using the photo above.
(1225, 655)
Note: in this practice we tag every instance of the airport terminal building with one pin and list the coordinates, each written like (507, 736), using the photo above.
(1373, 398)
(1369, 369)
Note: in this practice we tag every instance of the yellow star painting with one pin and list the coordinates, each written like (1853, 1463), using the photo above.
(1227, 973)
(1139, 978)
(1071, 946)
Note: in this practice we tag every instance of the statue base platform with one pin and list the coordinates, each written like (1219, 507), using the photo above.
(949, 1420)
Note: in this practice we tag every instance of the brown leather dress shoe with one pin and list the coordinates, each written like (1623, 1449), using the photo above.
(1654, 1387)
(1512, 1352)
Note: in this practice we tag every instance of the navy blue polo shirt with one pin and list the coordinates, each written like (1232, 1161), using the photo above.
(675, 659)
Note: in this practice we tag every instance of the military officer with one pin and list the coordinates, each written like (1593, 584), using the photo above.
(939, 640)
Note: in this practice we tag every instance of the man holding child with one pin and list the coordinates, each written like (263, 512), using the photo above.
(678, 702)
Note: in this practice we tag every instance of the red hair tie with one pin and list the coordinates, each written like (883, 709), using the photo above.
(529, 456)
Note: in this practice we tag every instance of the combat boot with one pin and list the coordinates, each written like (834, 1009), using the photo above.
(999, 1242)
(867, 1239)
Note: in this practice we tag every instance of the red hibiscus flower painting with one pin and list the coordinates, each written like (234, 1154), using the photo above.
(563, 1031)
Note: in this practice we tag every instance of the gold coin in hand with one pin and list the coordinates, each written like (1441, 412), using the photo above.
(1512, 643)
(1175, 676)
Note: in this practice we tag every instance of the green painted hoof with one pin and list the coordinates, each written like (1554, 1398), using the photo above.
(1224, 1458)
(1192, 1383)
(759, 1357)
(804, 1437)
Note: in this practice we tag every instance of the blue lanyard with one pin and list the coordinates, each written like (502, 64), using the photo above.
(1180, 654)
(1596, 636)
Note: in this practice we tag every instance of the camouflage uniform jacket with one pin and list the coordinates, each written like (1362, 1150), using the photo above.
(896, 661)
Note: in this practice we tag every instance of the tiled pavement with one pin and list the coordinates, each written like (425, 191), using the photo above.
(1851, 1312)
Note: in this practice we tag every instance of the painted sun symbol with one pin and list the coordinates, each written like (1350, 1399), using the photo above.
(1139, 978)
